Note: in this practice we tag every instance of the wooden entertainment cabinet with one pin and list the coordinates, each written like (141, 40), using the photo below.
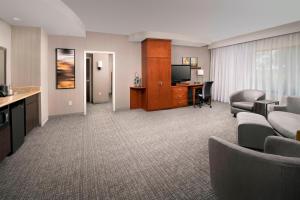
(157, 92)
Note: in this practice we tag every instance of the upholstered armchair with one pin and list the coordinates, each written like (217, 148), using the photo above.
(240, 173)
(243, 101)
(285, 119)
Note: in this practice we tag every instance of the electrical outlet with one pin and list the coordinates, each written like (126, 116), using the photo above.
(70, 103)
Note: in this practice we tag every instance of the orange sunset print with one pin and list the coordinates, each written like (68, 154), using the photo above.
(65, 68)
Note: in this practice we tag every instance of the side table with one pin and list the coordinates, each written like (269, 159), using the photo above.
(261, 106)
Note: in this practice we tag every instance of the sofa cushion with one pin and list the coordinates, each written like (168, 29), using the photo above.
(286, 123)
(244, 105)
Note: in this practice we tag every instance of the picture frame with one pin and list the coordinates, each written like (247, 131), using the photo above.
(65, 68)
(194, 62)
(186, 60)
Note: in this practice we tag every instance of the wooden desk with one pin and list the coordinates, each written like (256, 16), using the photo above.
(137, 97)
(194, 87)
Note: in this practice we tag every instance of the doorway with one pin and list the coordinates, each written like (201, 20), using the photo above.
(99, 78)
(89, 77)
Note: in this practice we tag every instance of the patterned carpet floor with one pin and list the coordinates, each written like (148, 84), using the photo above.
(125, 155)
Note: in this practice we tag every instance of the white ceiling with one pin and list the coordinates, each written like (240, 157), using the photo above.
(205, 20)
(196, 22)
(52, 15)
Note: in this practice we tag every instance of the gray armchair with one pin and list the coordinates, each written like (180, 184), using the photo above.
(244, 100)
(285, 119)
(240, 173)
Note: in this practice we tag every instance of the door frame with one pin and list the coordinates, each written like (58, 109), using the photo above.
(91, 78)
(113, 81)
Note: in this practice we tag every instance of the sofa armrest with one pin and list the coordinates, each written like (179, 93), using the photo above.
(277, 108)
(282, 146)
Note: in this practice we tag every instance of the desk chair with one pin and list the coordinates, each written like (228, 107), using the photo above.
(205, 95)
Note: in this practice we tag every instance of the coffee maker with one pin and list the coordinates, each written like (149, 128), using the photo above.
(3, 90)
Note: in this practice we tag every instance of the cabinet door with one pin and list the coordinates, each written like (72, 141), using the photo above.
(5, 142)
(153, 83)
(32, 113)
(156, 48)
(165, 92)
(159, 83)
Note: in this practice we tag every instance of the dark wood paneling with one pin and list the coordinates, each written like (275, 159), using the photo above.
(5, 142)
(32, 113)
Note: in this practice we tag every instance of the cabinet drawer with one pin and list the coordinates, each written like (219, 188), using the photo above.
(180, 96)
(180, 103)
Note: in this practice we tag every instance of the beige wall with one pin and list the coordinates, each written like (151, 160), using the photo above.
(127, 62)
(203, 54)
(30, 62)
(26, 56)
(5, 41)
(59, 98)
(101, 78)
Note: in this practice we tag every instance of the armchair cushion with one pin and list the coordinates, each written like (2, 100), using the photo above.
(282, 146)
(286, 123)
(244, 105)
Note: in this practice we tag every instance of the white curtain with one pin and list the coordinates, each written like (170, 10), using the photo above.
(271, 65)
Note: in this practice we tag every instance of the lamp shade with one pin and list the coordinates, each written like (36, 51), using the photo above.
(200, 72)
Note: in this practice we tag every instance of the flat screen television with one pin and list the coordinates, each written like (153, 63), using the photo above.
(181, 73)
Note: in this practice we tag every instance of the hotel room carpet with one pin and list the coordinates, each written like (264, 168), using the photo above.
(125, 155)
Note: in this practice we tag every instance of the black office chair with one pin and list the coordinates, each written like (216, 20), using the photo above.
(205, 95)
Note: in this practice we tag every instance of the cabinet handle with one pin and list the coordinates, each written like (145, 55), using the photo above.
(160, 83)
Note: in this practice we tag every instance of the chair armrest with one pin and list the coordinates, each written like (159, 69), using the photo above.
(234, 97)
(277, 108)
(282, 146)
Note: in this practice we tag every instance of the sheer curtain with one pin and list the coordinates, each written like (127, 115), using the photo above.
(271, 65)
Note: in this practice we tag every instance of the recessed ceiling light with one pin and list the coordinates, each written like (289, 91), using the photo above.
(16, 19)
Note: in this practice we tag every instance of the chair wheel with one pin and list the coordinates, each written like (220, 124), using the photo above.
(210, 106)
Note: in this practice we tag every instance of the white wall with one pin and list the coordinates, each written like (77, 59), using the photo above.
(5, 41)
(127, 58)
(44, 78)
(101, 78)
(203, 54)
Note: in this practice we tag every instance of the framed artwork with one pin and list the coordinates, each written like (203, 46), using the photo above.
(194, 62)
(186, 60)
(65, 68)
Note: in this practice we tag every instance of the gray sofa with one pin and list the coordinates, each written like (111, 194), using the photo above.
(240, 173)
(244, 100)
(286, 119)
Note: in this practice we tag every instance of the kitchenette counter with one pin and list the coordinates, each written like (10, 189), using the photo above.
(19, 94)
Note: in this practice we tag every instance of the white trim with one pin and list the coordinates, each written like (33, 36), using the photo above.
(113, 82)
(44, 122)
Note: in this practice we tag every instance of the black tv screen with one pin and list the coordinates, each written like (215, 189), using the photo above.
(181, 73)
